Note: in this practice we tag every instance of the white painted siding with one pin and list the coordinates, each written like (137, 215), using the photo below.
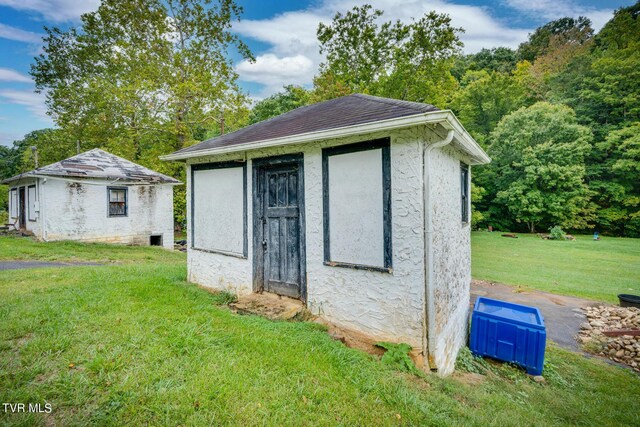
(79, 211)
(356, 225)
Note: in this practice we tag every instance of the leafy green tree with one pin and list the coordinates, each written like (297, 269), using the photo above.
(292, 97)
(571, 30)
(142, 72)
(548, 71)
(486, 97)
(11, 159)
(395, 60)
(4, 204)
(358, 50)
(616, 181)
(609, 93)
(538, 171)
(477, 193)
(143, 78)
(501, 59)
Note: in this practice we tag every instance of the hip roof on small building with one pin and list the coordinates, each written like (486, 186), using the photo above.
(348, 115)
(336, 113)
(97, 164)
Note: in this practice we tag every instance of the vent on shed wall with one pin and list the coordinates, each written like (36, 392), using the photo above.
(155, 240)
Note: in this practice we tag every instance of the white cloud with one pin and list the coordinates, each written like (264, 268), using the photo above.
(9, 75)
(13, 33)
(293, 35)
(554, 9)
(28, 98)
(272, 71)
(54, 10)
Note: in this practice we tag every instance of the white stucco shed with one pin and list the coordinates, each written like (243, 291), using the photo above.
(94, 197)
(358, 206)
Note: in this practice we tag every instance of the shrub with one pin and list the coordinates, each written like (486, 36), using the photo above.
(556, 233)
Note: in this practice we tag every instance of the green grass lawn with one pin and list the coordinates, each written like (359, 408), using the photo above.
(598, 270)
(132, 343)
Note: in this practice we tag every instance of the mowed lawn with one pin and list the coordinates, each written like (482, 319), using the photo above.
(131, 343)
(598, 270)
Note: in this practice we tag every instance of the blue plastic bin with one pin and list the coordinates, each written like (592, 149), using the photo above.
(510, 332)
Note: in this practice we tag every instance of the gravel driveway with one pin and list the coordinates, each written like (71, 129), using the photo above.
(562, 314)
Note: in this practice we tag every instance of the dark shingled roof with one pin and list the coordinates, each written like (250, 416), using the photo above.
(336, 113)
(98, 164)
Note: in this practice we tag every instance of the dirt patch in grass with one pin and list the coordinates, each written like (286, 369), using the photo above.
(469, 378)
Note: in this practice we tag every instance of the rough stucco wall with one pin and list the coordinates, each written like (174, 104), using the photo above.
(451, 258)
(78, 211)
(387, 306)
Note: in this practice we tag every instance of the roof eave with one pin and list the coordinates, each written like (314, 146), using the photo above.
(17, 177)
(446, 117)
(88, 179)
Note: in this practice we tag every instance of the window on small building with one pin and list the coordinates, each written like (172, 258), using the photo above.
(31, 198)
(13, 203)
(357, 205)
(117, 198)
(219, 208)
(464, 191)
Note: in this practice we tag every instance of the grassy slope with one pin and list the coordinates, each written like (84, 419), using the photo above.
(598, 270)
(148, 348)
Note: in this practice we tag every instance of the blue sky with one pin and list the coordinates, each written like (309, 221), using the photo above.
(280, 33)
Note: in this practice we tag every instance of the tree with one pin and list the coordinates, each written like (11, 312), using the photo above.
(292, 97)
(143, 71)
(616, 181)
(538, 171)
(608, 93)
(357, 49)
(501, 59)
(392, 59)
(548, 73)
(569, 30)
(486, 97)
(11, 159)
(142, 78)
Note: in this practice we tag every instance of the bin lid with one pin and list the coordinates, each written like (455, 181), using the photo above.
(510, 311)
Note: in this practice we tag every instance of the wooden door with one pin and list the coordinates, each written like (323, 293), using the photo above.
(280, 225)
(22, 209)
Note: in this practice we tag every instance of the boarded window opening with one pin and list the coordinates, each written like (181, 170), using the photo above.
(357, 205)
(155, 240)
(117, 200)
(219, 207)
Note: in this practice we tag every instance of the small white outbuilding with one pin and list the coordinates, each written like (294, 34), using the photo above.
(94, 197)
(358, 206)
